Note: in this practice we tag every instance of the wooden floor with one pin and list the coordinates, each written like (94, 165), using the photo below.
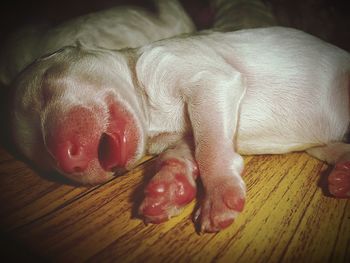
(287, 218)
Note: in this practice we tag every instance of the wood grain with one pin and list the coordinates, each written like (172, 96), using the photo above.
(287, 218)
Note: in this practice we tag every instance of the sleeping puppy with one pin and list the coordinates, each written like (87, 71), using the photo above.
(114, 28)
(200, 101)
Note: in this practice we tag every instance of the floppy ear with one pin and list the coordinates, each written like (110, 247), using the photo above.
(28, 99)
(25, 117)
(52, 54)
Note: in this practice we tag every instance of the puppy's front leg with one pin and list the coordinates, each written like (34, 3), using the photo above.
(213, 105)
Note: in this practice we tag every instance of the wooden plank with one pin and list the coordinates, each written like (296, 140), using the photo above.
(286, 218)
(276, 194)
(341, 249)
(326, 224)
(26, 196)
(83, 227)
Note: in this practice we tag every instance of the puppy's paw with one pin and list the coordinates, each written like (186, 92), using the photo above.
(339, 180)
(221, 205)
(168, 192)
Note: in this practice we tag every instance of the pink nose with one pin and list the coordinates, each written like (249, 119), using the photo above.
(73, 139)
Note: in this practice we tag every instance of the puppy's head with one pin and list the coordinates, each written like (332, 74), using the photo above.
(77, 111)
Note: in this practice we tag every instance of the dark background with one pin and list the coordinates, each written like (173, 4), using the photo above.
(19, 12)
(328, 19)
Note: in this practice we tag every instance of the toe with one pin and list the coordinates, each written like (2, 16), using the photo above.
(234, 201)
(339, 180)
(225, 223)
(153, 210)
(184, 191)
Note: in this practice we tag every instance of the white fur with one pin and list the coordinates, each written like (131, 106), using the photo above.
(296, 85)
(114, 28)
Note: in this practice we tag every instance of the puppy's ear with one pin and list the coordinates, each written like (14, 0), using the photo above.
(50, 55)
(59, 51)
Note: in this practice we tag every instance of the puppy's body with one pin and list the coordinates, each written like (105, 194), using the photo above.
(295, 86)
(206, 98)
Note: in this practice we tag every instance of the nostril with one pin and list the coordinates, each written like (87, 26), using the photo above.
(73, 150)
(111, 152)
(70, 157)
(106, 151)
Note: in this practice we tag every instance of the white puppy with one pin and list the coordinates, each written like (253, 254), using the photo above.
(114, 28)
(206, 98)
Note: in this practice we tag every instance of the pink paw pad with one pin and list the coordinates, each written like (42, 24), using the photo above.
(339, 180)
(236, 204)
(167, 193)
(220, 209)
